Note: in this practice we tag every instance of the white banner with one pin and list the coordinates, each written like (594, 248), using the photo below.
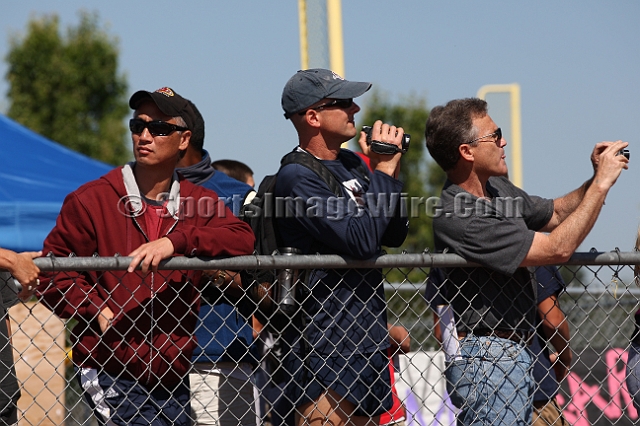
(421, 387)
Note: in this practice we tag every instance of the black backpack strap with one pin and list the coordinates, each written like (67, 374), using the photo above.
(312, 163)
(309, 161)
(352, 161)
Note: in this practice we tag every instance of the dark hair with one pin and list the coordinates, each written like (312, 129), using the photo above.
(232, 168)
(451, 125)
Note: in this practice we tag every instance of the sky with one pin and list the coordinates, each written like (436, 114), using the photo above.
(577, 63)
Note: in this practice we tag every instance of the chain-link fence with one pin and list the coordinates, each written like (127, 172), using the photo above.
(250, 384)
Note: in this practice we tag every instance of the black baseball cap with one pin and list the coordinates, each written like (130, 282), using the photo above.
(197, 131)
(169, 102)
(307, 87)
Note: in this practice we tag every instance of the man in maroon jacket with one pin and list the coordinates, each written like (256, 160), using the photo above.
(134, 337)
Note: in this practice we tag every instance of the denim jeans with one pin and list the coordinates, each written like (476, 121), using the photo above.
(633, 374)
(492, 384)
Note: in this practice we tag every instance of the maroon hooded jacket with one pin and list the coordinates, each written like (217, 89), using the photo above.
(152, 335)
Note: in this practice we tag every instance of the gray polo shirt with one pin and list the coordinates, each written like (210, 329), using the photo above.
(496, 233)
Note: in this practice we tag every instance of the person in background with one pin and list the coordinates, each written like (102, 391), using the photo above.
(197, 168)
(21, 267)
(269, 393)
(235, 169)
(222, 388)
(400, 343)
(633, 357)
(549, 368)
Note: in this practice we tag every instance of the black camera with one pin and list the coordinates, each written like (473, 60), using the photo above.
(386, 148)
(624, 152)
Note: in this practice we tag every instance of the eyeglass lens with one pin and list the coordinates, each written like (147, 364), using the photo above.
(338, 103)
(342, 103)
(156, 128)
(498, 135)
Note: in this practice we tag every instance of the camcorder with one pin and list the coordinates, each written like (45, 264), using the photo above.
(386, 148)
(624, 152)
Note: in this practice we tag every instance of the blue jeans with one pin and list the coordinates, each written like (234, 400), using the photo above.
(633, 374)
(492, 384)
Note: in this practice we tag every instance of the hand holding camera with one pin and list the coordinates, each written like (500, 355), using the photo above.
(386, 148)
(608, 160)
(381, 142)
(615, 149)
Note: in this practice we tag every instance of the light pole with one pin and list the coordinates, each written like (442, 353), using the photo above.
(334, 22)
(316, 36)
(515, 171)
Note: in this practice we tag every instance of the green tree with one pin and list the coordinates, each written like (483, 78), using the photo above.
(68, 89)
(422, 177)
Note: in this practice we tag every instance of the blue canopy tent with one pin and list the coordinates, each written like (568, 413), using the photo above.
(35, 176)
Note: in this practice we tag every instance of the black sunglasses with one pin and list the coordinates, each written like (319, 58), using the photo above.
(338, 103)
(497, 134)
(156, 127)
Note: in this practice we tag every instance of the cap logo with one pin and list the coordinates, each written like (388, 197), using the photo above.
(336, 76)
(165, 91)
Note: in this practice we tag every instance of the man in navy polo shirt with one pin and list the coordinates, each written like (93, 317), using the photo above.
(340, 369)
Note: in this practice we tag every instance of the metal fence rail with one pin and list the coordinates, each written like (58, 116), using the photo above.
(599, 303)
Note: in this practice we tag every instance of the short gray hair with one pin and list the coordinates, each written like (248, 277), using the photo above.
(180, 122)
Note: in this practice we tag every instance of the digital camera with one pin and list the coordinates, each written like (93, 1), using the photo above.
(386, 148)
(624, 152)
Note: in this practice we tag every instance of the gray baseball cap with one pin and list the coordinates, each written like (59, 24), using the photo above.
(307, 87)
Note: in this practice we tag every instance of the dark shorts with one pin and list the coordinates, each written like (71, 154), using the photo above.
(362, 379)
(124, 402)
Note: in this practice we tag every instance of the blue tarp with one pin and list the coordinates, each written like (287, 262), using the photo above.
(35, 176)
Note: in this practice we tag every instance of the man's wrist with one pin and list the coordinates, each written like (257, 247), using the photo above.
(386, 168)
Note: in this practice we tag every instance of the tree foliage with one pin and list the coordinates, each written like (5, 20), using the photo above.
(422, 177)
(68, 89)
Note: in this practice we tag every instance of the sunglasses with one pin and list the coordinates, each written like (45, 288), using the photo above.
(156, 128)
(497, 134)
(338, 103)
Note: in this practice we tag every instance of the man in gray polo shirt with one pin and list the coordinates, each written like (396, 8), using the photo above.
(487, 220)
